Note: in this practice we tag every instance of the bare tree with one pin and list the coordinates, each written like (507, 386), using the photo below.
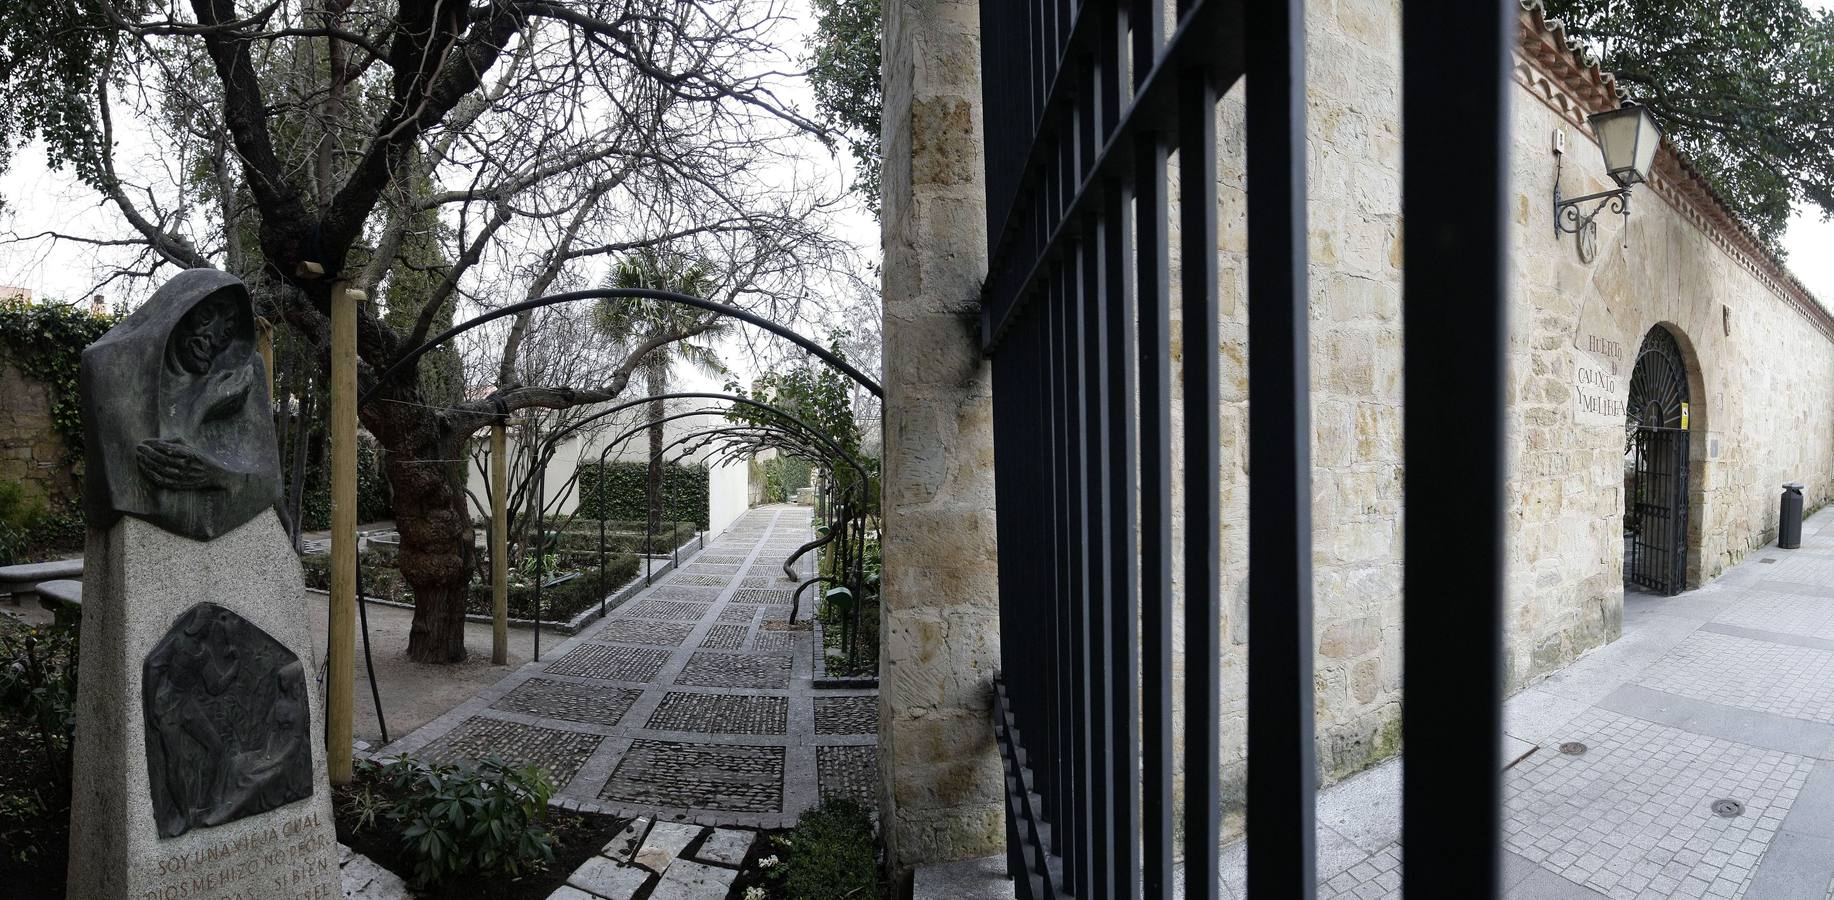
(443, 156)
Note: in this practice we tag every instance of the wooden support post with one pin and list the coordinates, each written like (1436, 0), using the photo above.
(264, 345)
(499, 546)
(341, 662)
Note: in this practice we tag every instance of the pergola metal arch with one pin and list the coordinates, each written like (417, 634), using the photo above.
(725, 309)
(705, 395)
(643, 427)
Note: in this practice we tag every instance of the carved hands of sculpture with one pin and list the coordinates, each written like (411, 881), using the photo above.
(178, 466)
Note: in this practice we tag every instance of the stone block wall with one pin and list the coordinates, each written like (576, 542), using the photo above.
(942, 786)
(31, 452)
(1762, 359)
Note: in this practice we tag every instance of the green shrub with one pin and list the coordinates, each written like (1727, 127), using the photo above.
(38, 688)
(626, 492)
(832, 854)
(456, 821)
(29, 529)
(627, 537)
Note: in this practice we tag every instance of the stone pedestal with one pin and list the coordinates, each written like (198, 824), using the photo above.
(234, 695)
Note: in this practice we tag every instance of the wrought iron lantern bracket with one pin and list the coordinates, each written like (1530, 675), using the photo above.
(1570, 217)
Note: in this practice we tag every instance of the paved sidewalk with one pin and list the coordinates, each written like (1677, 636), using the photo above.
(692, 701)
(1721, 694)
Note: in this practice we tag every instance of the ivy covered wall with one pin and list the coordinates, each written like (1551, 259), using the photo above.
(41, 426)
(684, 492)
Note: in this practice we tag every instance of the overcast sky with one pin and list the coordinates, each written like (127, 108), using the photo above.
(38, 199)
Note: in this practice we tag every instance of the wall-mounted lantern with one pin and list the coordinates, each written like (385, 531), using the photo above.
(1628, 138)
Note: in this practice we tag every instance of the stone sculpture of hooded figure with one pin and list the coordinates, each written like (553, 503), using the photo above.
(177, 426)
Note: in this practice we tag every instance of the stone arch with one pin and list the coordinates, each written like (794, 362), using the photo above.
(1695, 570)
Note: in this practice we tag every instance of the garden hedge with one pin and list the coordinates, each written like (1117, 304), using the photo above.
(626, 487)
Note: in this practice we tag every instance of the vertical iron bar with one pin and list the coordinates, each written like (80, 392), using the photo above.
(1281, 773)
(1153, 277)
(1116, 276)
(1202, 488)
(1454, 306)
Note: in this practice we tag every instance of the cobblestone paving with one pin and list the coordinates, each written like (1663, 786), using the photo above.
(743, 670)
(671, 610)
(721, 713)
(849, 772)
(642, 631)
(610, 663)
(725, 637)
(561, 753)
(692, 701)
(699, 776)
(846, 715)
(569, 701)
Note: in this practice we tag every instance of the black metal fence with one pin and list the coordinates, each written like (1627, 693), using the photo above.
(1084, 103)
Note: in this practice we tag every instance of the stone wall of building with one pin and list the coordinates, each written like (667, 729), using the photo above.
(1760, 355)
(1761, 351)
(942, 784)
(31, 452)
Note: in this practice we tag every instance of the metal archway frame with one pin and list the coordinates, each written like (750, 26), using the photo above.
(714, 306)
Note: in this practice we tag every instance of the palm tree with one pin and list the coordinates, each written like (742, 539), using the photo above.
(633, 320)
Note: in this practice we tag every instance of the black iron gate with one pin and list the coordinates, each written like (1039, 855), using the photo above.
(1656, 467)
(1084, 103)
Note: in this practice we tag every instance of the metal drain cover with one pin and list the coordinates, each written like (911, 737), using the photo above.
(1573, 748)
(1728, 809)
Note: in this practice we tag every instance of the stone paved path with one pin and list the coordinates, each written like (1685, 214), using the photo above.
(693, 701)
(1724, 693)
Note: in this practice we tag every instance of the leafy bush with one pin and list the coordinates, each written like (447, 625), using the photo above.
(29, 529)
(831, 854)
(626, 492)
(45, 341)
(38, 689)
(621, 536)
(375, 502)
(455, 821)
(784, 476)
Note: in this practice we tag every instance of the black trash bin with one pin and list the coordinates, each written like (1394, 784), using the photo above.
(1789, 529)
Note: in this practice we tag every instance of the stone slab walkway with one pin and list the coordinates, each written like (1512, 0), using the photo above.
(1725, 693)
(691, 702)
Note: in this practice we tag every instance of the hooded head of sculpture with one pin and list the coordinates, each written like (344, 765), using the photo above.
(177, 426)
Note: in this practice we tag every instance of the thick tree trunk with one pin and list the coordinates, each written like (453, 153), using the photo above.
(425, 469)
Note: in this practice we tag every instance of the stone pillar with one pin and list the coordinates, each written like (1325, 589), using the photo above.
(941, 780)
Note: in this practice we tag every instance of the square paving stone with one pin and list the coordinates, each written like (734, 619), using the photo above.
(632, 664)
(561, 753)
(569, 701)
(726, 846)
(685, 579)
(698, 776)
(668, 610)
(604, 878)
(689, 880)
(742, 670)
(720, 713)
(846, 715)
(690, 594)
(723, 570)
(738, 613)
(725, 637)
(848, 772)
(1634, 812)
(644, 631)
(772, 598)
(721, 560)
(774, 640)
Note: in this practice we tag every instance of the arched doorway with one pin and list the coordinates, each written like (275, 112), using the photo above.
(1656, 466)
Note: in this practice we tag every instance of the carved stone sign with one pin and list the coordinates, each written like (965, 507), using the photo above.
(199, 728)
(226, 722)
(1599, 386)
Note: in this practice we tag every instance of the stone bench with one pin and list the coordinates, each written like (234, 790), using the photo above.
(22, 581)
(64, 598)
